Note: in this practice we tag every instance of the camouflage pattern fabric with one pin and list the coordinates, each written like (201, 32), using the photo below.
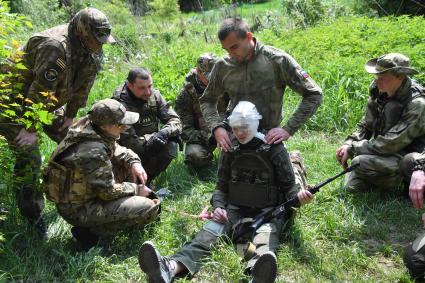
(153, 113)
(58, 66)
(95, 191)
(267, 236)
(390, 129)
(195, 133)
(261, 81)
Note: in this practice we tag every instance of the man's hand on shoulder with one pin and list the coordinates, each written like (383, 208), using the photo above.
(222, 138)
(417, 188)
(277, 135)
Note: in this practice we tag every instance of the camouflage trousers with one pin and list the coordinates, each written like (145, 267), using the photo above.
(266, 238)
(198, 155)
(108, 217)
(156, 162)
(26, 172)
(384, 172)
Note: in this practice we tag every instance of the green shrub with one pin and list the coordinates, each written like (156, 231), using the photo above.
(305, 13)
(164, 8)
(388, 7)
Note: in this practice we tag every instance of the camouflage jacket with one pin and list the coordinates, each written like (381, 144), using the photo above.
(195, 129)
(60, 67)
(153, 112)
(391, 125)
(279, 160)
(262, 80)
(88, 156)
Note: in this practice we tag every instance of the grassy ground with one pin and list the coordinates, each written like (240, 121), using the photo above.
(338, 237)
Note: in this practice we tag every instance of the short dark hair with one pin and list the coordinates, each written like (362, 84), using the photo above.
(237, 25)
(138, 73)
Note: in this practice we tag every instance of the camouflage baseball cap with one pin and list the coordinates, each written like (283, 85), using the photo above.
(94, 22)
(205, 63)
(392, 62)
(111, 112)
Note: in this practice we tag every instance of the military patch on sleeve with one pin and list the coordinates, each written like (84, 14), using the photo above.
(304, 74)
(61, 63)
(51, 75)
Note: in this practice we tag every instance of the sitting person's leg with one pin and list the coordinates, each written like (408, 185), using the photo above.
(197, 155)
(374, 170)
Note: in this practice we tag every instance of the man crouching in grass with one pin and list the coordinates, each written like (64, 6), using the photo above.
(251, 177)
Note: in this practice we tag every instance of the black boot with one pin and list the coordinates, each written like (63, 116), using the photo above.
(84, 237)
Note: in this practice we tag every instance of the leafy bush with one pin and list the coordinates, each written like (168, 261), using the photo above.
(165, 8)
(305, 13)
(389, 7)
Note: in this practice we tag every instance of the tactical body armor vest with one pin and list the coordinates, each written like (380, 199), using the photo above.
(148, 122)
(66, 184)
(252, 181)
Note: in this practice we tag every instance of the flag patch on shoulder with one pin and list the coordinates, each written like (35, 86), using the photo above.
(304, 74)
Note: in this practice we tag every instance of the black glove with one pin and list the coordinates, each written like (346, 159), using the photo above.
(157, 141)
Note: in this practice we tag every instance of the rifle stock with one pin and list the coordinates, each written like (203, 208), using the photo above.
(274, 212)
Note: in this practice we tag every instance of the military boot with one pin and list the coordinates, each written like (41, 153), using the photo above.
(84, 237)
(265, 269)
(156, 267)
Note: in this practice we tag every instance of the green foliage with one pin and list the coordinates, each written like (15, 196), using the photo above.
(164, 8)
(305, 13)
(388, 7)
(35, 11)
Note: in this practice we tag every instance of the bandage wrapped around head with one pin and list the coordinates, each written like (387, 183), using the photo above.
(245, 116)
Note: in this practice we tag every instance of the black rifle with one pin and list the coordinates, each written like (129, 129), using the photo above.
(275, 212)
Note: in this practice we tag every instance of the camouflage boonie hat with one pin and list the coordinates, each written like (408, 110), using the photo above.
(92, 22)
(392, 62)
(111, 112)
(205, 63)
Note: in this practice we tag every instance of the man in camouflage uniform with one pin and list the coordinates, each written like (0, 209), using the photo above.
(252, 176)
(392, 130)
(414, 257)
(61, 66)
(196, 135)
(155, 145)
(96, 184)
(260, 74)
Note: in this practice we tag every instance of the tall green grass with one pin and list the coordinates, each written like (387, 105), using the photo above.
(339, 237)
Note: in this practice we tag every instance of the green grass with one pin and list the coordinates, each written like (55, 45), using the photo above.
(338, 237)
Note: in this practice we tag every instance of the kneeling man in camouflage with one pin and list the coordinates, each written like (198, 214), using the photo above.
(96, 184)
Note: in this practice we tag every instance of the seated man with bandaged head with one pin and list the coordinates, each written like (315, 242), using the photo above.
(251, 177)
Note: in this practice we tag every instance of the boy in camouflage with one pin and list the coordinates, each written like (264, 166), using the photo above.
(96, 184)
(195, 133)
(251, 177)
(61, 66)
(392, 130)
